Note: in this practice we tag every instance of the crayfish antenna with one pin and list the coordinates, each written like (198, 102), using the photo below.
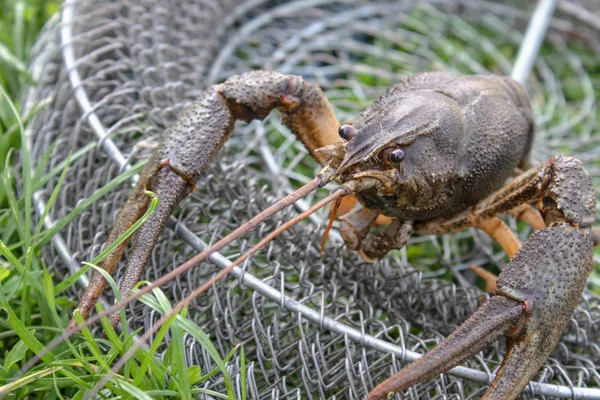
(333, 214)
(320, 180)
(337, 194)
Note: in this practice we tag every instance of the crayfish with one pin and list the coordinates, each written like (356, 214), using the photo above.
(437, 153)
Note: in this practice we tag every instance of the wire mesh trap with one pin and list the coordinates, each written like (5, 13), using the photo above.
(116, 73)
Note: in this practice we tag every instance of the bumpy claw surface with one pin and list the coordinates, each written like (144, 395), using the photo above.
(537, 291)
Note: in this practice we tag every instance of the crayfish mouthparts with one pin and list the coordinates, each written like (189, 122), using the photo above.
(360, 185)
(333, 151)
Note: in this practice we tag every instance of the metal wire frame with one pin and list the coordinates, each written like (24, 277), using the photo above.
(244, 277)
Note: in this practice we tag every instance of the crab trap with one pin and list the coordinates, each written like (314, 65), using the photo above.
(115, 73)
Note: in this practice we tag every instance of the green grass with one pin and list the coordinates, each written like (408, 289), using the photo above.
(20, 24)
(36, 312)
(34, 309)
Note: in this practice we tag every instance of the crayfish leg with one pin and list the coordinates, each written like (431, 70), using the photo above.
(497, 230)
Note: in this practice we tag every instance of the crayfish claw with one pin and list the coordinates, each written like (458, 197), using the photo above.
(171, 188)
(493, 319)
(536, 295)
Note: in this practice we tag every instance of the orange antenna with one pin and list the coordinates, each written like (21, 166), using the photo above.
(333, 214)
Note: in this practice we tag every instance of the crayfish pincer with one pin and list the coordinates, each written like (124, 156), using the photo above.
(437, 153)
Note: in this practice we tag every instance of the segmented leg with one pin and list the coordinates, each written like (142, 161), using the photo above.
(529, 215)
(394, 236)
(491, 280)
(193, 140)
(537, 291)
(497, 230)
(529, 188)
(506, 238)
(355, 225)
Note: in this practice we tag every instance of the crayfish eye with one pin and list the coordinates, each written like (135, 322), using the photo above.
(396, 156)
(392, 156)
(347, 132)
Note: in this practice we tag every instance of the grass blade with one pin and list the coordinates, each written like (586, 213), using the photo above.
(183, 381)
(52, 198)
(15, 63)
(243, 372)
(21, 330)
(206, 343)
(11, 258)
(47, 235)
(148, 358)
(26, 170)
(26, 380)
(12, 199)
(132, 390)
(58, 168)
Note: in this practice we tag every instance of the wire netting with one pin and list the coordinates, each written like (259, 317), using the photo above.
(119, 72)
